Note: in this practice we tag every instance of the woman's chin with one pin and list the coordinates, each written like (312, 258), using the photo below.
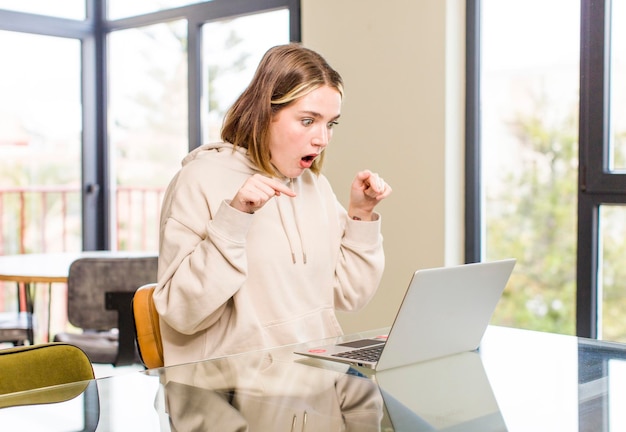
(292, 172)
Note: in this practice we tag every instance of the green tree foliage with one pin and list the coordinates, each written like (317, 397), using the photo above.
(533, 218)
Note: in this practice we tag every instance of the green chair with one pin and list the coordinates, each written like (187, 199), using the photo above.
(32, 367)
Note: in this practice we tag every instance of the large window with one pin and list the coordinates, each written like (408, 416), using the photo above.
(147, 124)
(546, 126)
(602, 192)
(96, 114)
(102, 99)
(529, 127)
(73, 9)
(117, 9)
(612, 217)
(40, 143)
(231, 51)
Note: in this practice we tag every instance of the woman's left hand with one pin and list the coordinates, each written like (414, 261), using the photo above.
(368, 189)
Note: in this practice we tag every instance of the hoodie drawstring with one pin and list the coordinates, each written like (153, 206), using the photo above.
(294, 421)
(282, 221)
(295, 217)
(293, 185)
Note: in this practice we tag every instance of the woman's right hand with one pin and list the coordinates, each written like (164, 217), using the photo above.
(257, 191)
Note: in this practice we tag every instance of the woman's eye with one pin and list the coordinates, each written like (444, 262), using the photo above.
(307, 122)
(332, 124)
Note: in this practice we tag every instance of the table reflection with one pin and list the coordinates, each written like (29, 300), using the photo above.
(268, 392)
(262, 393)
(451, 393)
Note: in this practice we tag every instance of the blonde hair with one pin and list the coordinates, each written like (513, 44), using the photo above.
(285, 74)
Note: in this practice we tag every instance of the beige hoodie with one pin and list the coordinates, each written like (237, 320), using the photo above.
(230, 281)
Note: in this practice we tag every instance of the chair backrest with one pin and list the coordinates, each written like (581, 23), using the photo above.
(147, 329)
(90, 278)
(31, 367)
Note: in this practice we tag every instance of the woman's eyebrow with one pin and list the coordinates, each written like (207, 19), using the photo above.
(315, 114)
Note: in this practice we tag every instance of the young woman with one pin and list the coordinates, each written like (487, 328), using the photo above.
(255, 249)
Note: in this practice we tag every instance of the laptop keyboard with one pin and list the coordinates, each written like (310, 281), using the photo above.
(371, 354)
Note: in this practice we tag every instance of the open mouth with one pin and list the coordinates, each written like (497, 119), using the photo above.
(307, 161)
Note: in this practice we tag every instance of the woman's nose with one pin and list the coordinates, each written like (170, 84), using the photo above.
(322, 137)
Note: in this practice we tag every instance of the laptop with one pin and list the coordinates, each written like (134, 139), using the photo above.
(445, 311)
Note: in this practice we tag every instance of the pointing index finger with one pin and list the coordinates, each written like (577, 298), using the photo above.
(282, 188)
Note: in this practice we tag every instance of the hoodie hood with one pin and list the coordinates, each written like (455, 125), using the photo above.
(208, 149)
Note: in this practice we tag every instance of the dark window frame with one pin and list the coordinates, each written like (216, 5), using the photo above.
(93, 32)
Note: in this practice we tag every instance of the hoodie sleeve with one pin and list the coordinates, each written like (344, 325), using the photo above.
(361, 259)
(202, 256)
(360, 264)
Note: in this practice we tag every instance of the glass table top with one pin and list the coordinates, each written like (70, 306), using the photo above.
(517, 381)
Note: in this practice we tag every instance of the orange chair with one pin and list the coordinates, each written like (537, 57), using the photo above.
(147, 329)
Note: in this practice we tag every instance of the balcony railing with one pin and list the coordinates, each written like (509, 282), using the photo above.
(41, 219)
